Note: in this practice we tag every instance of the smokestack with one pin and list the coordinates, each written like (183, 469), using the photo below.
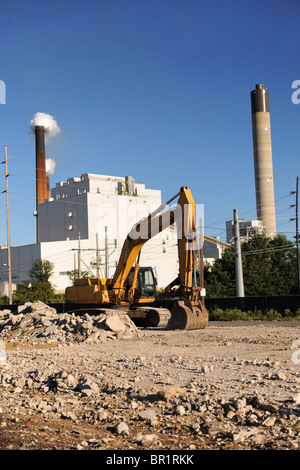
(41, 178)
(263, 165)
(43, 126)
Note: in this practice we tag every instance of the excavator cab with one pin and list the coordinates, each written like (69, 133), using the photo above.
(145, 285)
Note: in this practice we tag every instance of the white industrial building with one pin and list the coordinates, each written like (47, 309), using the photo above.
(212, 250)
(86, 213)
(248, 228)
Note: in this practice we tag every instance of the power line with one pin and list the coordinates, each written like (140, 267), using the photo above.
(266, 250)
(297, 233)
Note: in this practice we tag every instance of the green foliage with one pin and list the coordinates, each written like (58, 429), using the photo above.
(41, 270)
(227, 315)
(31, 291)
(38, 287)
(217, 314)
(58, 298)
(269, 268)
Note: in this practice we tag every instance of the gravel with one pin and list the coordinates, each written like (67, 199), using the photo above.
(100, 383)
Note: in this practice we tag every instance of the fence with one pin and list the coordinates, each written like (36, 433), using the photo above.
(279, 303)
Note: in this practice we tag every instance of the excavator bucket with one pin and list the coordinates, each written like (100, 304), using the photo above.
(185, 316)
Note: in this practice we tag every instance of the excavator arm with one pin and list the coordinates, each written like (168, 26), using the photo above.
(183, 214)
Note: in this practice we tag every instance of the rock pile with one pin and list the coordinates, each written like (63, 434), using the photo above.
(38, 323)
(57, 381)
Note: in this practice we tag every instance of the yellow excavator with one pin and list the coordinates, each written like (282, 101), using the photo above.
(133, 287)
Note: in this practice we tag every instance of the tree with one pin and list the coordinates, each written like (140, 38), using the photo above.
(31, 291)
(269, 268)
(41, 270)
(38, 287)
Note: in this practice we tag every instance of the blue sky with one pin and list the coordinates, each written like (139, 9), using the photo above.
(155, 89)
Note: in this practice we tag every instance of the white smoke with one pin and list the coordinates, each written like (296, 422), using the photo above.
(50, 166)
(51, 130)
(47, 121)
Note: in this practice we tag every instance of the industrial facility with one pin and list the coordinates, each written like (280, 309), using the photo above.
(247, 229)
(81, 223)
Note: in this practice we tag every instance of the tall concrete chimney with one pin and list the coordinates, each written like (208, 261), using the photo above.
(41, 177)
(263, 165)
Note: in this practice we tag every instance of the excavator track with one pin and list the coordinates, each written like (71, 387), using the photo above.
(142, 316)
(158, 317)
(150, 317)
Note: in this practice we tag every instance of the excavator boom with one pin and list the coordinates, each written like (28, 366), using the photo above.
(188, 313)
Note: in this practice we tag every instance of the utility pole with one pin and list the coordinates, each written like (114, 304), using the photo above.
(79, 258)
(106, 253)
(97, 257)
(239, 281)
(297, 230)
(201, 264)
(297, 234)
(8, 230)
(199, 253)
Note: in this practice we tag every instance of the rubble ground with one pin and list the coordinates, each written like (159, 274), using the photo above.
(100, 383)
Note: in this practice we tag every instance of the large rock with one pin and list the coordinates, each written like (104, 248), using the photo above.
(115, 324)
